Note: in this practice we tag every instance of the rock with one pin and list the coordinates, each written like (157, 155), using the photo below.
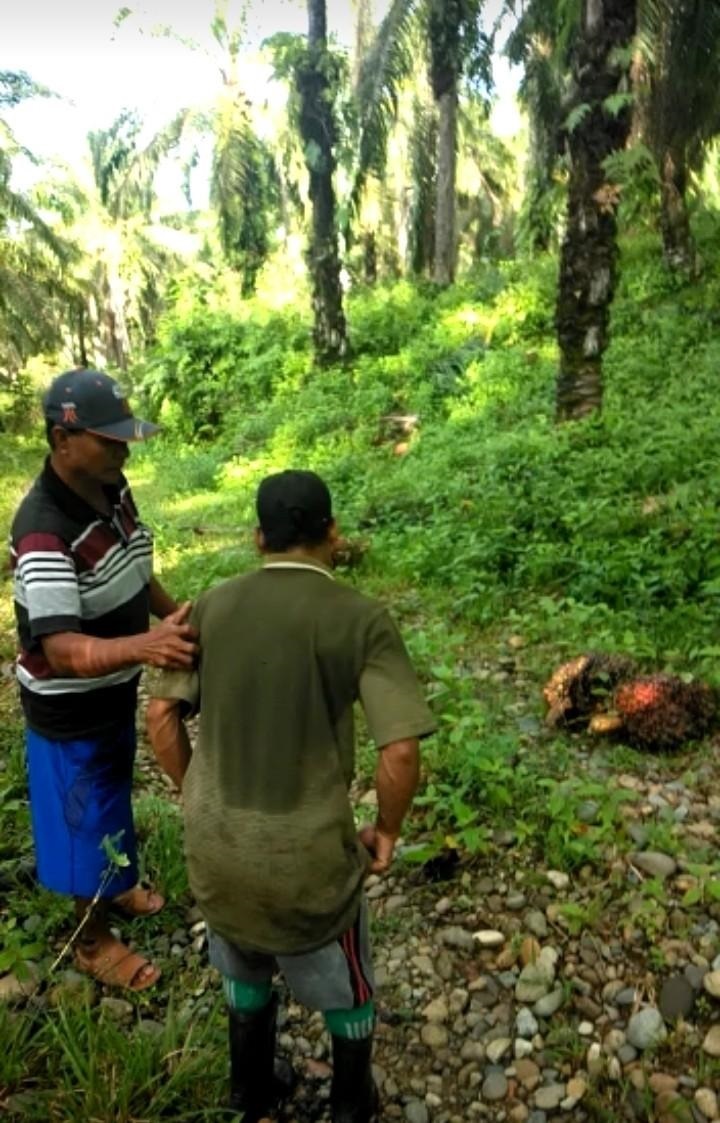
(536, 979)
(436, 1011)
(495, 1087)
(489, 938)
(515, 901)
(548, 1005)
(711, 1044)
(707, 1102)
(496, 1050)
(594, 1061)
(536, 923)
(646, 1028)
(670, 1107)
(529, 951)
(654, 863)
(522, 1048)
(472, 1051)
(525, 1023)
(434, 1036)
(456, 937)
(711, 983)
(12, 987)
(458, 1002)
(528, 1073)
(119, 1009)
(150, 1028)
(518, 1114)
(558, 879)
(416, 1112)
(695, 975)
(576, 1088)
(613, 1041)
(72, 988)
(662, 1082)
(549, 1097)
(677, 998)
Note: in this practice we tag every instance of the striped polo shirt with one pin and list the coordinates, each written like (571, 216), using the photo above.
(76, 570)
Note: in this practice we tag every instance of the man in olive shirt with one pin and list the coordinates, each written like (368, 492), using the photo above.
(273, 855)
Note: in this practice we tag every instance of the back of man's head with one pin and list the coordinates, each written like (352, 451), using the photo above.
(294, 508)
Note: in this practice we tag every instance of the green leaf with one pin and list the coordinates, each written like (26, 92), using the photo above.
(617, 102)
(577, 116)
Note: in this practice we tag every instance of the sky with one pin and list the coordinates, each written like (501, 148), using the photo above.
(99, 63)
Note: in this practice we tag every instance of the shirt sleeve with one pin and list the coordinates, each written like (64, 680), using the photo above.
(390, 693)
(181, 686)
(46, 585)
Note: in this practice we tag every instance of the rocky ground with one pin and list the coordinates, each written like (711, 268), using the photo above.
(516, 992)
(510, 991)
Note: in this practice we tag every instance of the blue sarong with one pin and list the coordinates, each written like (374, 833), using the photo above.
(80, 795)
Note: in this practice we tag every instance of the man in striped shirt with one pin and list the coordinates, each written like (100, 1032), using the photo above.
(84, 591)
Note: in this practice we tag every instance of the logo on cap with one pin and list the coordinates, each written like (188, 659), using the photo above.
(69, 416)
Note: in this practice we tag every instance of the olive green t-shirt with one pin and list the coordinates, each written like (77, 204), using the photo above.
(273, 857)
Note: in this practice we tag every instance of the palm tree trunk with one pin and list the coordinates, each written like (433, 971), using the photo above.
(678, 245)
(445, 242)
(317, 129)
(588, 267)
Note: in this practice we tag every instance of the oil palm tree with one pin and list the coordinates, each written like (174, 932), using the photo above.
(598, 126)
(540, 43)
(455, 48)
(679, 105)
(34, 286)
(126, 263)
(313, 68)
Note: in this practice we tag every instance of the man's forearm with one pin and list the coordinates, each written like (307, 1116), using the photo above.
(168, 737)
(161, 603)
(75, 655)
(396, 781)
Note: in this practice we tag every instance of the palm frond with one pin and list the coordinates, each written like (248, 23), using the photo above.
(680, 44)
(17, 86)
(389, 62)
(134, 187)
(242, 190)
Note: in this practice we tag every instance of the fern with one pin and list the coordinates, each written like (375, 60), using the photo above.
(577, 116)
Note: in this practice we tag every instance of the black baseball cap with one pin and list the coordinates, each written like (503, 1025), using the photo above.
(91, 400)
(295, 506)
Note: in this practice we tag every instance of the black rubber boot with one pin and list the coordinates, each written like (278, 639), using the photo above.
(353, 1095)
(257, 1080)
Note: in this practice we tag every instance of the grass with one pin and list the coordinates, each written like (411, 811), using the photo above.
(502, 545)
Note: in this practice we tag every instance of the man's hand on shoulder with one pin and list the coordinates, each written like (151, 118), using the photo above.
(172, 644)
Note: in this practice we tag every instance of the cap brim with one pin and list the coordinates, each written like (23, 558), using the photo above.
(129, 429)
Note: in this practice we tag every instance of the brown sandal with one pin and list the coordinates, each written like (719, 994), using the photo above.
(117, 966)
(138, 901)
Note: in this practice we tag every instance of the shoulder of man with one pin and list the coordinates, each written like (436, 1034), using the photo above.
(37, 513)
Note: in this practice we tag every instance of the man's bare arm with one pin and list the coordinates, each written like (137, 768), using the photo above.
(171, 645)
(168, 737)
(396, 781)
